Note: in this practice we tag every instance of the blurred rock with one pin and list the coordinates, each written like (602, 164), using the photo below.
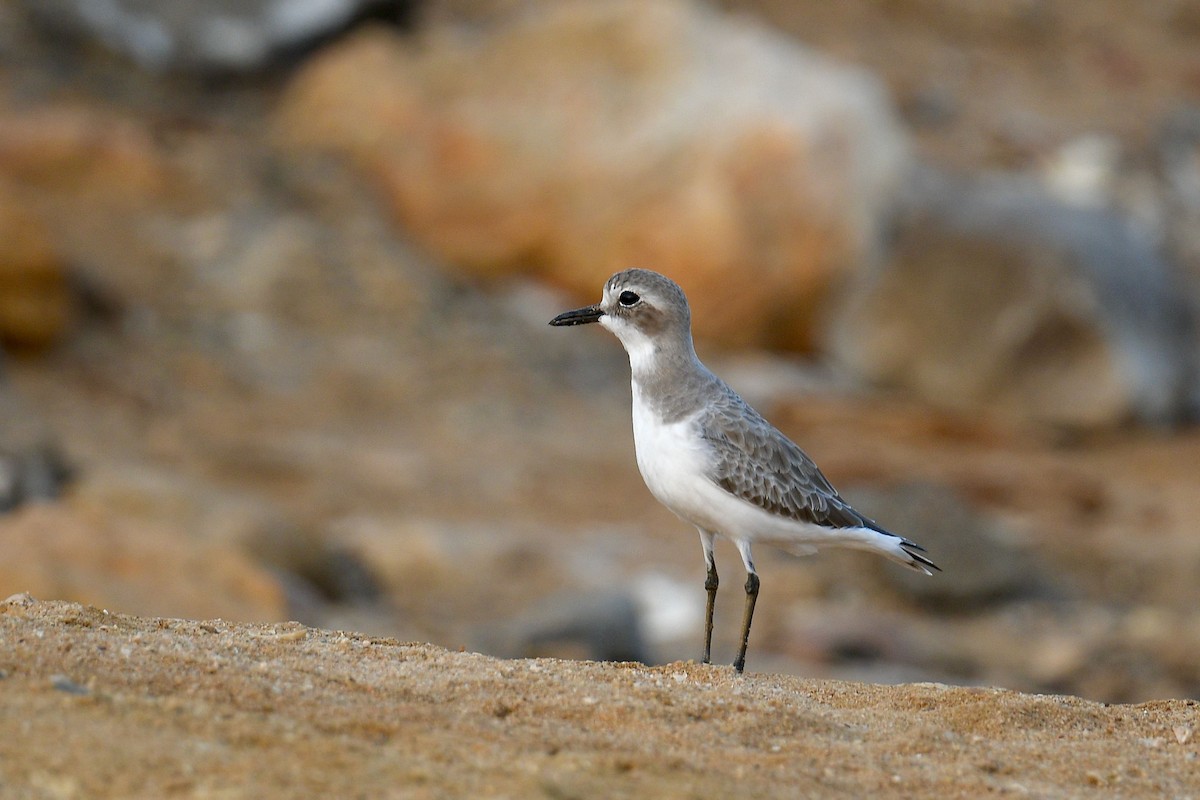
(980, 561)
(820, 634)
(669, 611)
(96, 179)
(78, 149)
(1179, 164)
(1083, 171)
(35, 299)
(600, 626)
(589, 137)
(471, 12)
(205, 35)
(998, 295)
(405, 555)
(317, 570)
(36, 474)
(1178, 145)
(1057, 658)
(32, 467)
(64, 553)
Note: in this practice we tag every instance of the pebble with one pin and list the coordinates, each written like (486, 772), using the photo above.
(64, 684)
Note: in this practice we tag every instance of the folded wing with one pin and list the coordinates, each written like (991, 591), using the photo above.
(757, 463)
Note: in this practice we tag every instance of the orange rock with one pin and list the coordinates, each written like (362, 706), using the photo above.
(590, 137)
(35, 300)
(56, 551)
(68, 148)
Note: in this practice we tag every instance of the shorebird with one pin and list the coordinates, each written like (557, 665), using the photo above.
(714, 461)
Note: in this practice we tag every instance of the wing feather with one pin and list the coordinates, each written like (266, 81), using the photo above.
(757, 463)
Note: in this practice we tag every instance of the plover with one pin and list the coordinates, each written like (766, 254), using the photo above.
(713, 460)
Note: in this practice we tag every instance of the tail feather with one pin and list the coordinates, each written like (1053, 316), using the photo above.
(905, 551)
(919, 562)
(890, 545)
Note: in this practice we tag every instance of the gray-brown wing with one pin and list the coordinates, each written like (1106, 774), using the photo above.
(757, 463)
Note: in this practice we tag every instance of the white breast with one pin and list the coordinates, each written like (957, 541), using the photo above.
(669, 456)
(674, 461)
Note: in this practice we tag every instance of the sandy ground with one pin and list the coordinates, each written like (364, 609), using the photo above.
(283, 710)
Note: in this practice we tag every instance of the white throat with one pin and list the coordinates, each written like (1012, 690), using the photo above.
(643, 353)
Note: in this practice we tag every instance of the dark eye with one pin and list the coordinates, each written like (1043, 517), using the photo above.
(628, 299)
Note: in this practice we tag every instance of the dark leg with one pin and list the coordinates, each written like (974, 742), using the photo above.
(751, 598)
(743, 547)
(708, 539)
(710, 585)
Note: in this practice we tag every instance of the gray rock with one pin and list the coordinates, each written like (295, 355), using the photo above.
(64, 684)
(37, 474)
(1000, 296)
(31, 465)
(1179, 164)
(602, 626)
(203, 35)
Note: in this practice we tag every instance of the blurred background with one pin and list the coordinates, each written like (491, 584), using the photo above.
(275, 277)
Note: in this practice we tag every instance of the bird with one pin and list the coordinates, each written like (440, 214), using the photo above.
(714, 461)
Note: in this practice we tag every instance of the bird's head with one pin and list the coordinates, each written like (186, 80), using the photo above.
(644, 309)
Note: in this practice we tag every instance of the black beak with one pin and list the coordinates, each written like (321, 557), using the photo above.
(580, 316)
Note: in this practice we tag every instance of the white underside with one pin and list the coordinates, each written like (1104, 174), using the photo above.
(674, 463)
